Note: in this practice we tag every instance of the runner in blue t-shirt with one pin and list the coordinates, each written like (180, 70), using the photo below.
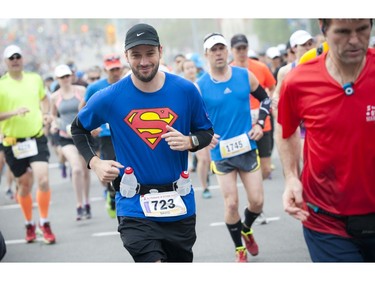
(225, 90)
(155, 118)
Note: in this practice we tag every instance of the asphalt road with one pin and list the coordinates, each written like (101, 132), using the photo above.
(97, 240)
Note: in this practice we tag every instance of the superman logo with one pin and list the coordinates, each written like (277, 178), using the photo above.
(149, 124)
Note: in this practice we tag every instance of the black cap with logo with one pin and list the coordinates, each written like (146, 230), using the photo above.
(141, 34)
(238, 40)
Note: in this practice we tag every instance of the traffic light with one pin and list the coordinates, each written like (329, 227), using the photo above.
(110, 34)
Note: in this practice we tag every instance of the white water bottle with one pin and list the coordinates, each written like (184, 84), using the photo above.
(184, 184)
(129, 183)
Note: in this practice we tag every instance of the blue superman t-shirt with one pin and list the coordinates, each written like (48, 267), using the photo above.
(137, 120)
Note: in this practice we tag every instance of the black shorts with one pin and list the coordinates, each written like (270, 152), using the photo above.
(265, 145)
(106, 148)
(247, 162)
(54, 137)
(65, 141)
(150, 241)
(20, 166)
(3, 247)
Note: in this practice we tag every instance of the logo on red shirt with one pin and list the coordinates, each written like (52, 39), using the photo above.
(149, 124)
(370, 113)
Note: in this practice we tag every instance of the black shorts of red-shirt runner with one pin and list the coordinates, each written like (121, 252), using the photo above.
(150, 241)
(20, 166)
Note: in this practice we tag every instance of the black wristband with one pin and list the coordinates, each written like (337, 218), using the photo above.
(204, 137)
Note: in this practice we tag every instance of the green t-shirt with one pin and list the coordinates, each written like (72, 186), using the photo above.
(14, 94)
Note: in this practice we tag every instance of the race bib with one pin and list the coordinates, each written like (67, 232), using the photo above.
(25, 149)
(235, 146)
(69, 130)
(162, 204)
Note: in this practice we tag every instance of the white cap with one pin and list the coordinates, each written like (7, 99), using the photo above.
(299, 37)
(273, 52)
(213, 40)
(62, 70)
(11, 50)
(252, 54)
(281, 47)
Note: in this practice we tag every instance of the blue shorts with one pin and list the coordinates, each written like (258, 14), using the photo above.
(325, 247)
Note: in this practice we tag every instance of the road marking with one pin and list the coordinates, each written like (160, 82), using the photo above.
(210, 187)
(269, 219)
(35, 205)
(40, 239)
(16, 206)
(95, 199)
(273, 218)
(21, 241)
(217, 223)
(101, 234)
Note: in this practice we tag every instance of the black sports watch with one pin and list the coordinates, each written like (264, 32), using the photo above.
(194, 140)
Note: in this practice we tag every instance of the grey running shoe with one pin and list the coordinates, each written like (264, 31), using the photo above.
(9, 194)
(79, 213)
(87, 211)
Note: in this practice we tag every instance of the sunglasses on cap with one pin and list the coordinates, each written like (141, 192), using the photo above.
(15, 57)
(210, 35)
(93, 78)
(65, 76)
(113, 58)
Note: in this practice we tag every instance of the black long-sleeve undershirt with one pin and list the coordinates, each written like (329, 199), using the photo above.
(85, 142)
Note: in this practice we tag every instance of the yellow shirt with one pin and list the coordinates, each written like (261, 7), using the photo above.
(14, 94)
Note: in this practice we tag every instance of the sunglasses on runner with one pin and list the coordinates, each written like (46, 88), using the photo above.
(241, 48)
(15, 57)
(114, 58)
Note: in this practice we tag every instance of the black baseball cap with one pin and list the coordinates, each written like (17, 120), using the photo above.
(238, 40)
(141, 34)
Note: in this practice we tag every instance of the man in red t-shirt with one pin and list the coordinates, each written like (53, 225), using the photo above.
(333, 95)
